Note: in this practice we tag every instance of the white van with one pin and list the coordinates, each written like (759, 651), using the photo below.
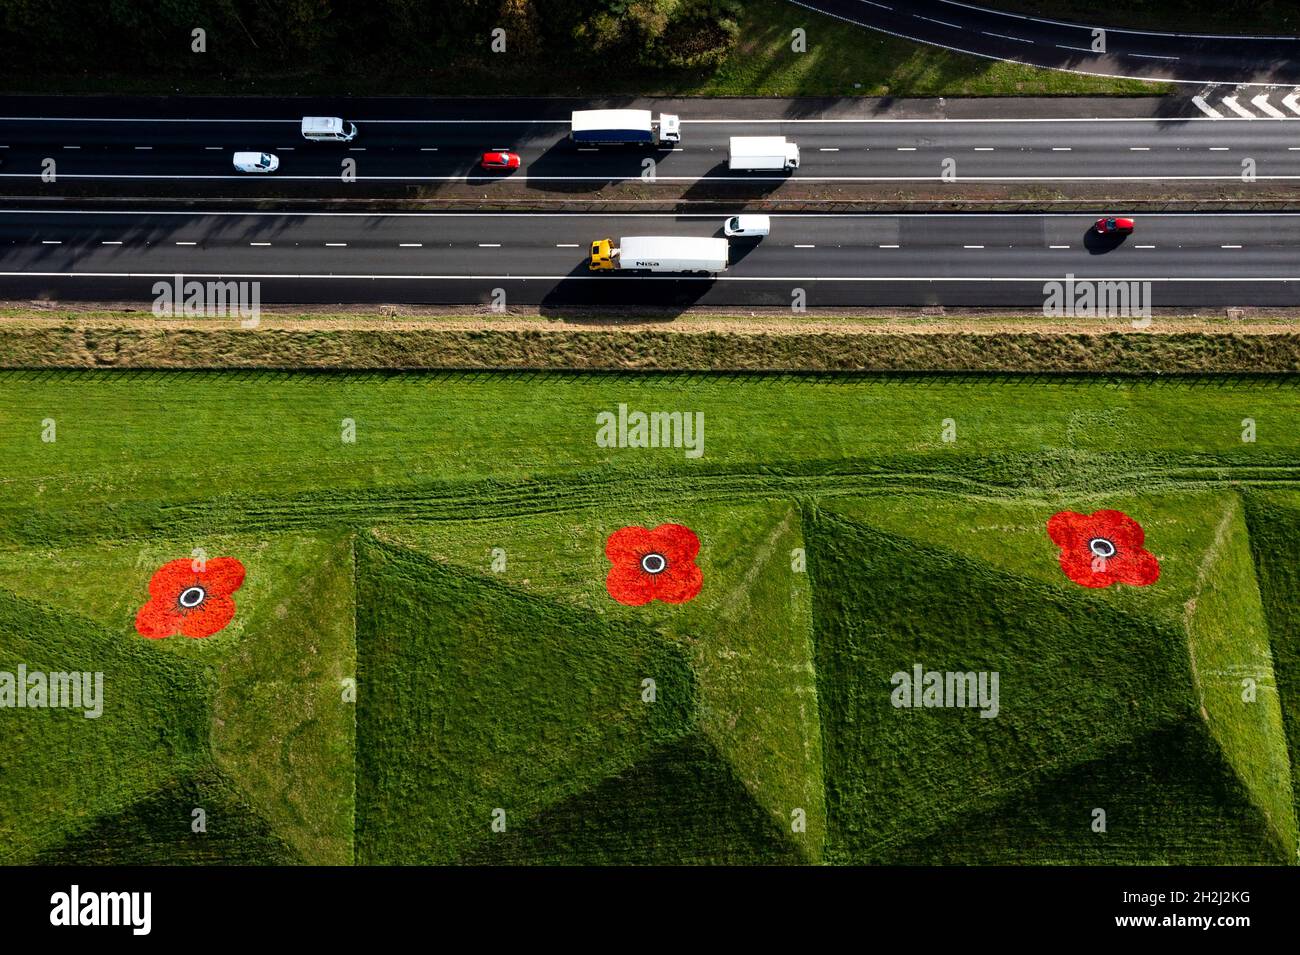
(256, 162)
(745, 226)
(328, 129)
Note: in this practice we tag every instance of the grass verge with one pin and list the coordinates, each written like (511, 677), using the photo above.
(696, 342)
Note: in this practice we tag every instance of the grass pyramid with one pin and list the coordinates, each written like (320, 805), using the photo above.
(252, 717)
(746, 727)
(1085, 676)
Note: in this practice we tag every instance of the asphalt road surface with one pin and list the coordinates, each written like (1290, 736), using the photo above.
(540, 259)
(197, 151)
(1245, 58)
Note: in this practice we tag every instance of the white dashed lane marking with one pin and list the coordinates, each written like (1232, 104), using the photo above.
(942, 23)
(1003, 36)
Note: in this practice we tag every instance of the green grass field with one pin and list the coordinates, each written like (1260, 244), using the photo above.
(425, 665)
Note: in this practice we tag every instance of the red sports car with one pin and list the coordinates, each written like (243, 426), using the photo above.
(1112, 225)
(500, 160)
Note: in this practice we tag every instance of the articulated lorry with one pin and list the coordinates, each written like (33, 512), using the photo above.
(763, 154)
(659, 253)
(618, 127)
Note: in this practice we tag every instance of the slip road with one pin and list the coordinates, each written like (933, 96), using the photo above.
(1250, 56)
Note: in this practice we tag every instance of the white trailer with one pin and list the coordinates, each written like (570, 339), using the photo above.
(763, 154)
(616, 127)
(660, 253)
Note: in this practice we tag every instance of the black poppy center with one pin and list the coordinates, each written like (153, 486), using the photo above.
(1101, 547)
(191, 597)
(654, 563)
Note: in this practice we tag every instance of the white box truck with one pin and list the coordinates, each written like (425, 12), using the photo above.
(617, 127)
(763, 154)
(659, 253)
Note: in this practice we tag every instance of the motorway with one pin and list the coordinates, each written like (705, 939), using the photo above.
(1249, 58)
(444, 149)
(1204, 260)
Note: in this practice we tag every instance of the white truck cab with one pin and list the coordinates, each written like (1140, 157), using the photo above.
(328, 129)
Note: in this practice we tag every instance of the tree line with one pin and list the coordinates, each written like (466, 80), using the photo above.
(132, 35)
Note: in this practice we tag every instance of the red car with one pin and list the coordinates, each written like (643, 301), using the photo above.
(1112, 225)
(499, 160)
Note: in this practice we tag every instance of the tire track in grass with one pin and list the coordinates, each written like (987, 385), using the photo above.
(436, 502)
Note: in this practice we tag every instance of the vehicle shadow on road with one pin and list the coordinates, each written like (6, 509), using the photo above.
(607, 294)
(1098, 244)
(741, 247)
(732, 190)
(553, 171)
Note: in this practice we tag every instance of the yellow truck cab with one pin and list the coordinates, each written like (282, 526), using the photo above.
(602, 255)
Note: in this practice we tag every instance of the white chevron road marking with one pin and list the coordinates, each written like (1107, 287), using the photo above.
(1232, 104)
(1206, 108)
(1262, 104)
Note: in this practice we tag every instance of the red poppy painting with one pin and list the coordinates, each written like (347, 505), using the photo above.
(1103, 548)
(192, 602)
(654, 564)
